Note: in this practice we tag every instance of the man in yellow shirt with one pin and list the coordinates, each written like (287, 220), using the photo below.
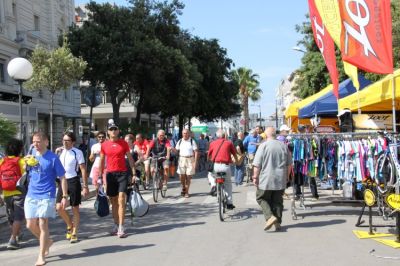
(11, 169)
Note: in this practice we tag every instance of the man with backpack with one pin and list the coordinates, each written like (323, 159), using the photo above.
(188, 158)
(11, 169)
(73, 160)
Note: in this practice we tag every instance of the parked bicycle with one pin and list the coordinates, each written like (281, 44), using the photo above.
(158, 178)
(221, 194)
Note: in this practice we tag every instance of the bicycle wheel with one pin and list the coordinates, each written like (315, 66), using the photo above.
(163, 192)
(156, 187)
(221, 209)
(383, 173)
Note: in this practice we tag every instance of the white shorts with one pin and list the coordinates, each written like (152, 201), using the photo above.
(40, 208)
(186, 166)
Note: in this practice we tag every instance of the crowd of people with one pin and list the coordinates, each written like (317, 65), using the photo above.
(61, 177)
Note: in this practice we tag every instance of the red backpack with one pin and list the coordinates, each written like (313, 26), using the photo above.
(10, 173)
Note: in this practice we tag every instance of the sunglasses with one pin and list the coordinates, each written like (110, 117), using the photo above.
(101, 137)
(113, 129)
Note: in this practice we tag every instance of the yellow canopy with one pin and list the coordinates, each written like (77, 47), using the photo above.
(375, 97)
(293, 109)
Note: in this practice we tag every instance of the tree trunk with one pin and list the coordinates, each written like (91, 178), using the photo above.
(51, 118)
(246, 112)
(139, 108)
(181, 124)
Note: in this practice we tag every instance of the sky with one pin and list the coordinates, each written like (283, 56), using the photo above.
(257, 34)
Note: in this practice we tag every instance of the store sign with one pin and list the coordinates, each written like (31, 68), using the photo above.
(369, 197)
(393, 200)
(372, 121)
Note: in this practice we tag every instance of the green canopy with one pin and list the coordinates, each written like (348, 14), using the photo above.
(199, 129)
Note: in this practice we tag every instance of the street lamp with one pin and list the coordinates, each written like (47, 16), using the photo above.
(20, 70)
(259, 106)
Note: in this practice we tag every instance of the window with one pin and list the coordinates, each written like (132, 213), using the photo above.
(2, 71)
(36, 22)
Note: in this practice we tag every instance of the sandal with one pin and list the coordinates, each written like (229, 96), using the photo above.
(187, 195)
(183, 192)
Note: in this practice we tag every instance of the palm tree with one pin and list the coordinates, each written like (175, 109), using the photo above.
(248, 88)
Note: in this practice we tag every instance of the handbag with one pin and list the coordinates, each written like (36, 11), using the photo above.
(101, 205)
(139, 207)
(211, 164)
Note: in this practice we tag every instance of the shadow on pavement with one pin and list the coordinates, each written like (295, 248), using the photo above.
(313, 224)
(89, 252)
(242, 214)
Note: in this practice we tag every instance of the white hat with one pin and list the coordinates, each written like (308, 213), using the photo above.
(284, 128)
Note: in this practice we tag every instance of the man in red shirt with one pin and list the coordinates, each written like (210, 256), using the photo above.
(114, 151)
(160, 147)
(220, 152)
(141, 149)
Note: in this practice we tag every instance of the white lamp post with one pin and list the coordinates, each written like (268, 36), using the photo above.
(20, 70)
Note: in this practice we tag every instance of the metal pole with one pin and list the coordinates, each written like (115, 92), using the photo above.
(394, 103)
(21, 122)
(260, 115)
(276, 114)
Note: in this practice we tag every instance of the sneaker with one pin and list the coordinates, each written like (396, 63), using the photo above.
(74, 239)
(13, 244)
(164, 187)
(213, 191)
(68, 233)
(20, 236)
(270, 222)
(278, 227)
(114, 230)
(121, 232)
(230, 206)
(315, 199)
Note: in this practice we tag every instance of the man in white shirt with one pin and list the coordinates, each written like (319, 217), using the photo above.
(72, 159)
(188, 157)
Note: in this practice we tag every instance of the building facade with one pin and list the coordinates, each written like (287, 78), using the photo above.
(23, 25)
(284, 97)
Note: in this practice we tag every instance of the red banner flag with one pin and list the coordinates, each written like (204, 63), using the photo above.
(325, 44)
(366, 39)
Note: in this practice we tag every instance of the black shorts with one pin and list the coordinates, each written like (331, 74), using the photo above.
(15, 208)
(116, 182)
(74, 191)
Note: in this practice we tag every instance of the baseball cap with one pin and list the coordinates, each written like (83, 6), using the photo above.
(284, 128)
(111, 124)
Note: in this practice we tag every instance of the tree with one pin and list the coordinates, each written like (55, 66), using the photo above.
(248, 88)
(8, 130)
(54, 70)
(313, 75)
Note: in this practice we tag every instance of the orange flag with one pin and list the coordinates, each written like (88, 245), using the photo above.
(366, 37)
(325, 44)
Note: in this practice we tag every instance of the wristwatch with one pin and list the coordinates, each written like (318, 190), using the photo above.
(65, 197)
(85, 186)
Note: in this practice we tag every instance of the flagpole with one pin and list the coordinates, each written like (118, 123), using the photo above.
(394, 102)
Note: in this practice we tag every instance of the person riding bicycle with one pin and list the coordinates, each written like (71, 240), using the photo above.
(220, 153)
(141, 149)
(160, 147)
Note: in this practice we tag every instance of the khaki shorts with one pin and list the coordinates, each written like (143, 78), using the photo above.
(186, 166)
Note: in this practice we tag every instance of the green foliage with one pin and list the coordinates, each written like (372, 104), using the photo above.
(8, 130)
(313, 75)
(54, 70)
(248, 84)
(143, 50)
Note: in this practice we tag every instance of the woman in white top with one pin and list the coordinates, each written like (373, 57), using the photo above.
(95, 158)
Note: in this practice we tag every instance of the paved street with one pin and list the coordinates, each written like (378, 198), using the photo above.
(187, 231)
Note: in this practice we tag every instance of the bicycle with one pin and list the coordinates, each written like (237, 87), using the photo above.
(140, 168)
(221, 194)
(157, 178)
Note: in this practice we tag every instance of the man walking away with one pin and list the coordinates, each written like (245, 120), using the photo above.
(11, 169)
(72, 159)
(40, 201)
(272, 165)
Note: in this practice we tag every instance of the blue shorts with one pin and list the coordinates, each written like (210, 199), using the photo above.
(40, 208)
